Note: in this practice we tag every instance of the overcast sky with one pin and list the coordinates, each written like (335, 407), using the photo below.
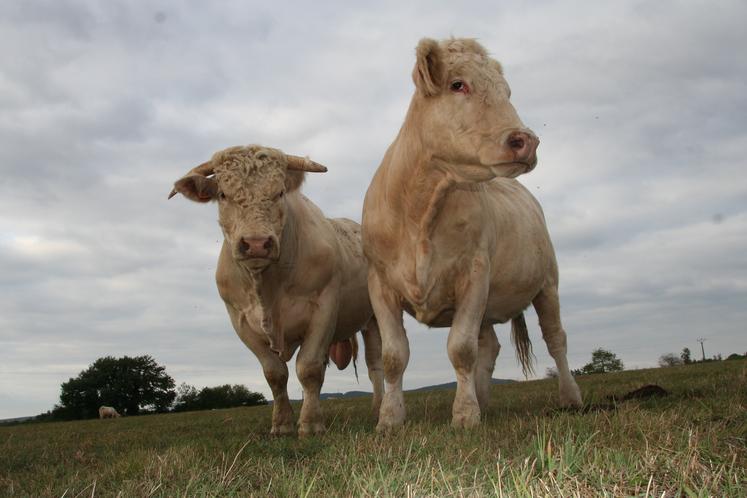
(641, 109)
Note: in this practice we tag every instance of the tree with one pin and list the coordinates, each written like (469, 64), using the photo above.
(129, 384)
(225, 396)
(686, 356)
(602, 361)
(669, 360)
(551, 373)
(186, 398)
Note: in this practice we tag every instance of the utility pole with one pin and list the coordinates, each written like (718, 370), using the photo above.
(702, 349)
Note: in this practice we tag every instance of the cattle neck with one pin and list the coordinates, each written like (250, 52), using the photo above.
(417, 189)
(414, 187)
(264, 286)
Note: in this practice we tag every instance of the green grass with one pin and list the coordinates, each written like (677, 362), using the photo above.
(690, 443)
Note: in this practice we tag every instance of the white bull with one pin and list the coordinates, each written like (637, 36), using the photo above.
(451, 238)
(289, 277)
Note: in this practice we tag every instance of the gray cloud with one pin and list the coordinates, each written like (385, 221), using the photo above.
(640, 109)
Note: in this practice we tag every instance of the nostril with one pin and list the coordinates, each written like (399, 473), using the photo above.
(268, 244)
(243, 246)
(516, 142)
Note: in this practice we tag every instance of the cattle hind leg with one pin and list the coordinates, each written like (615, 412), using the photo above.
(547, 305)
(372, 344)
(488, 348)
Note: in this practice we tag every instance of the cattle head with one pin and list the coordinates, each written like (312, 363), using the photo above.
(462, 110)
(250, 184)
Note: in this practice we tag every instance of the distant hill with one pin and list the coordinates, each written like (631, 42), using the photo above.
(14, 420)
(436, 387)
(452, 385)
(349, 394)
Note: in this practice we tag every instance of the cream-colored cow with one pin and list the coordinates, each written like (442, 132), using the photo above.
(108, 412)
(289, 277)
(451, 238)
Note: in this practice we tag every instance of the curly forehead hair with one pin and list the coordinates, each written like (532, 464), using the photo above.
(261, 167)
(250, 161)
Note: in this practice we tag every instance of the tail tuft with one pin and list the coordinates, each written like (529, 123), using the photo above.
(523, 345)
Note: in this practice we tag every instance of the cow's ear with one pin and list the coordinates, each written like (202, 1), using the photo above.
(294, 179)
(197, 188)
(429, 69)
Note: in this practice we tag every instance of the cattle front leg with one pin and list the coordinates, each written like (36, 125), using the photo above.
(274, 369)
(276, 373)
(547, 306)
(462, 346)
(310, 369)
(488, 348)
(312, 359)
(372, 344)
(395, 352)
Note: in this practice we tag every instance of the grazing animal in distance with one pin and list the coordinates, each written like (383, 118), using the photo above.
(452, 238)
(290, 277)
(108, 412)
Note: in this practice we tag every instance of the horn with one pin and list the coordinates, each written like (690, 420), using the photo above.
(204, 169)
(304, 164)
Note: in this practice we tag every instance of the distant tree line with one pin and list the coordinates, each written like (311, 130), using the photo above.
(138, 385)
(685, 358)
(604, 361)
(188, 398)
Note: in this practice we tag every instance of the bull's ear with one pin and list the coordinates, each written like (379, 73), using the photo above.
(197, 188)
(429, 69)
(294, 179)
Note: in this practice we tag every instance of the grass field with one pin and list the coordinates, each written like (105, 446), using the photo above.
(690, 443)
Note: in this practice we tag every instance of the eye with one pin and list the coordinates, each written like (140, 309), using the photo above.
(459, 86)
(221, 195)
(279, 195)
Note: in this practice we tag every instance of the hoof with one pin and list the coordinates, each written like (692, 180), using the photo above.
(392, 413)
(282, 430)
(389, 427)
(571, 397)
(466, 420)
(465, 413)
(311, 429)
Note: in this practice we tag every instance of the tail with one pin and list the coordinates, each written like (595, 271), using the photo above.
(523, 345)
(354, 343)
